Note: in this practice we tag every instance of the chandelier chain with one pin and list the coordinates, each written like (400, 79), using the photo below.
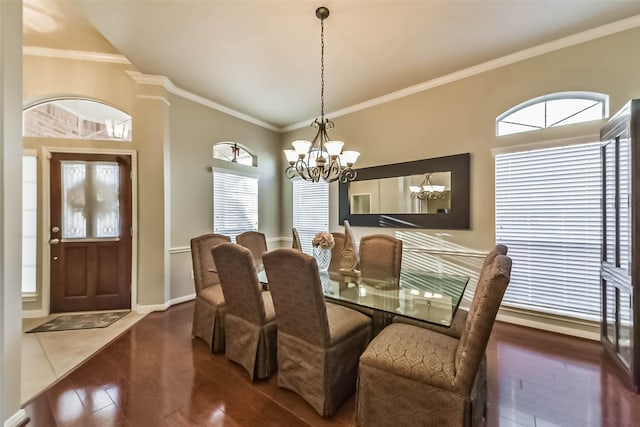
(322, 69)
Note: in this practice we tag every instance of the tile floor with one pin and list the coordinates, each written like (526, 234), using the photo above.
(47, 356)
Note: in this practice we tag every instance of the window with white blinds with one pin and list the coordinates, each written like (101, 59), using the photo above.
(235, 203)
(310, 210)
(548, 214)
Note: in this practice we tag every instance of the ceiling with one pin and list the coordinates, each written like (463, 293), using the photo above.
(262, 58)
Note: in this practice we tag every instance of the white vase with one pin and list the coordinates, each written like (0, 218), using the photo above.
(323, 257)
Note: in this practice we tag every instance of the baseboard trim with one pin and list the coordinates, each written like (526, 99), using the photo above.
(16, 419)
(144, 309)
(31, 314)
(182, 299)
(575, 328)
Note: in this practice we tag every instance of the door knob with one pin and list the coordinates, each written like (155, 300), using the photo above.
(54, 241)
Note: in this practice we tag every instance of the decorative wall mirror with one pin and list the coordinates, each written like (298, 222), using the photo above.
(429, 193)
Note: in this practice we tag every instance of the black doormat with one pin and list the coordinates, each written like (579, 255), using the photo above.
(79, 321)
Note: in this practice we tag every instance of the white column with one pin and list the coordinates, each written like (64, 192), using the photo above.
(10, 210)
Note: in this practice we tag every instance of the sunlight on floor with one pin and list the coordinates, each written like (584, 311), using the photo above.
(47, 356)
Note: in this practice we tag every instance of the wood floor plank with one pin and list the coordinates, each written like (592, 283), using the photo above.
(155, 374)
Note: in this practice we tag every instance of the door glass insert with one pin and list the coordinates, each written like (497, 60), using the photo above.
(625, 328)
(610, 312)
(90, 200)
(610, 202)
(625, 201)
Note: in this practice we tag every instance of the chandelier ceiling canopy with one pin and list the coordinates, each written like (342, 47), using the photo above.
(321, 158)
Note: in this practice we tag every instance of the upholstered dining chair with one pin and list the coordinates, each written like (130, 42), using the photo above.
(336, 251)
(296, 240)
(414, 376)
(381, 257)
(479, 390)
(208, 313)
(250, 326)
(256, 243)
(318, 343)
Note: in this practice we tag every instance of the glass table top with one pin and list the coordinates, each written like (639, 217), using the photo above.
(421, 295)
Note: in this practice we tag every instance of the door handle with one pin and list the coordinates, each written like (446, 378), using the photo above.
(54, 241)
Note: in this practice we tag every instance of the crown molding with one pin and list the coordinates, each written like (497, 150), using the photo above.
(572, 40)
(230, 111)
(166, 83)
(150, 79)
(75, 54)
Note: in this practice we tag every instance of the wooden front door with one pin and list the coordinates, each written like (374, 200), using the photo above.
(90, 235)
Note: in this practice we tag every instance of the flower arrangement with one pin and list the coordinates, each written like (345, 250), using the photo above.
(323, 240)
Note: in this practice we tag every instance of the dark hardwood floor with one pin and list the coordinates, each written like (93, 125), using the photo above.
(156, 375)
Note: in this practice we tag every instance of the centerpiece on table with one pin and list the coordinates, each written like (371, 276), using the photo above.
(322, 244)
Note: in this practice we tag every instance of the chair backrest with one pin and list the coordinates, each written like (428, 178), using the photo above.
(296, 290)
(203, 261)
(239, 280)
(482, 314)
(336, 251)
(498, 250)
(255, 242)
(296, 240)
(380, 257)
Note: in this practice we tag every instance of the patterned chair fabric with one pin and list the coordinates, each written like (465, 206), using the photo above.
(381, 257)
(296, 240)
(336, 251)
(208, 313)
(250, 326)
(256, 242)
(318, 343)
(414, 376)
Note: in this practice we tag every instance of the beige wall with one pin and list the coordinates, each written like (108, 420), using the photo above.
(460, 117)
(195, 128)
(10, 209)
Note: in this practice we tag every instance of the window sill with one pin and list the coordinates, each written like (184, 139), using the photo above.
(29, 296)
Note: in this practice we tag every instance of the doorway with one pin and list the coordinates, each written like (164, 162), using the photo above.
(90, 231)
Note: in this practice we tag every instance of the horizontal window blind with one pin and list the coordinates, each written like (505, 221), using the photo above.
(548, 214)
(29, 223)
(310, 210)
(235, 203)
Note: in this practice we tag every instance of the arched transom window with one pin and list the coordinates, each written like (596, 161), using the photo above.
(76, 118)
(233, 152)
(557, 109)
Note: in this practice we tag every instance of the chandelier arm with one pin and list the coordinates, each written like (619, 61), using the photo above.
(347, 175)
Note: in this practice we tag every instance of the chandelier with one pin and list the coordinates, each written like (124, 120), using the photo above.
(426, 190)
(321, 158)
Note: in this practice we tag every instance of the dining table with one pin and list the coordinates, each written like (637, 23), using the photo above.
(426, 296)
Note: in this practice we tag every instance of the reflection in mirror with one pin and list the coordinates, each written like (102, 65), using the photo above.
(424, 193)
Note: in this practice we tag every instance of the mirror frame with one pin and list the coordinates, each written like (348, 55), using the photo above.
(457, 218)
